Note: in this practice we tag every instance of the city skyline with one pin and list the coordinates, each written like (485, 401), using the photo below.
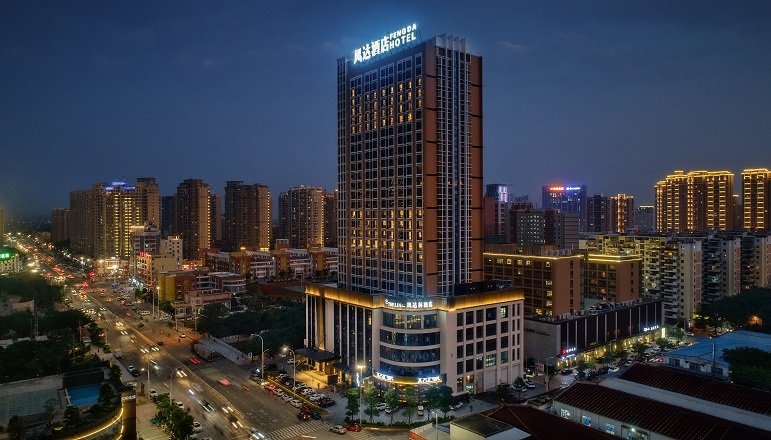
(576, 95)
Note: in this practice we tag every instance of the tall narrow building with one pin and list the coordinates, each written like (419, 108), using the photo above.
(598, 214)
(696, 201)
(567, 198)
(60, 227)
(149, 200)
(756, 199)
(410, 307)
(410, 170)
(193, 217)
(247, 216)
(330, 220)
(301, 216)
(620, 213)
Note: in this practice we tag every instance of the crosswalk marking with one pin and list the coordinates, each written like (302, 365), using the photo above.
(298, 429)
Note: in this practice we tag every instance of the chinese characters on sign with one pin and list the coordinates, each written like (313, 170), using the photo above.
(409, 304)
(385, 377)
(432, 379)
(383, 45)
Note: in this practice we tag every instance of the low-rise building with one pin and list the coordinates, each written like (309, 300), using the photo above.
(469, 342)
(706, 355)
(587, 335)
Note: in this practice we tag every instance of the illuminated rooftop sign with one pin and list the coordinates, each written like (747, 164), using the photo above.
(385, 44)
(426, 304)
(564, 188)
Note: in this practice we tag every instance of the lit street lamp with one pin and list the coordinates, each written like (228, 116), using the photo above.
(436, 426)
(262, 355)
(171, 382)
(294, 367)
(360, 368)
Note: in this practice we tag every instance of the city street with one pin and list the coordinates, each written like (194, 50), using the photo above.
(145, 341)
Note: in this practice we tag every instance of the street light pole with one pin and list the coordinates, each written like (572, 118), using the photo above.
(171, 383)
(436, 425)
(294, 367)
(360, 368)
(262, 355)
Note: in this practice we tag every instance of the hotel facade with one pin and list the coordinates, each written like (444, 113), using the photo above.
(410, 226)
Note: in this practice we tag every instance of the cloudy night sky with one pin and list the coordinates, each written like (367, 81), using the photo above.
(610, 94)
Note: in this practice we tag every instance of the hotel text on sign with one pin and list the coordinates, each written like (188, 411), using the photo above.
(383, 45)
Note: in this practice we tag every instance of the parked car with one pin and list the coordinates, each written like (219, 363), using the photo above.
(381, 406)
(353, 427)
(338, 429)
(303, 416)
(153, 394)
(457, 406)
(197, 427)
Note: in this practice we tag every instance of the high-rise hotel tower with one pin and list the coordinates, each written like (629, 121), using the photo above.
(410, 306)
(409, 130)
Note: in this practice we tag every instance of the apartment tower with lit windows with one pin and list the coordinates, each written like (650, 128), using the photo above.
(410, 304)
(756, 197)
(696, 201)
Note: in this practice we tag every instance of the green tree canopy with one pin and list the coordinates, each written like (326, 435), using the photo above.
(750, 367)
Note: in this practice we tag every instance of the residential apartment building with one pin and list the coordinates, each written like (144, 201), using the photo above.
(621, 213)
(756, 199)
(248, 222)
(193, 217)
(301, 216)
(551, 283)
(60, 227)
(696, 201)
(611, 278)
(102, 218)
(645, 219)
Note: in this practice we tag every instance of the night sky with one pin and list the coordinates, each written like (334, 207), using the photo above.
(611, 94)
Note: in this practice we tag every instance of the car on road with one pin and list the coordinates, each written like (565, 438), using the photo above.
(197, 427)
(613, 369)
(195, 361)
(529, 383)
(303, 416)
(224, 381)
(353, 427)
(457, 406)
(155, 348)
(381, 406)
(338, 429)
(256, 434)
(133, 370)
(153, 394)
(182, 335)
(207, 406)
(180, 404)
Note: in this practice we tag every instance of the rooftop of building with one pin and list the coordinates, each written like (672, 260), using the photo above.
(466, 296)
(654, 416)
(703, 348)
(29, 397)
(700, 387)
(598, 309)
(542, 425)
(482, 425)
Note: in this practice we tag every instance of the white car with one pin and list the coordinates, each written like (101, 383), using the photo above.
(180, 404)
(197, 427)
(457, 406)
(295, 403)
(613, 369)
(381, 406)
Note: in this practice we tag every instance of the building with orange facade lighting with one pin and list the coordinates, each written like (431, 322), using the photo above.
(696, 201)
(409, 306)
(756, 197)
